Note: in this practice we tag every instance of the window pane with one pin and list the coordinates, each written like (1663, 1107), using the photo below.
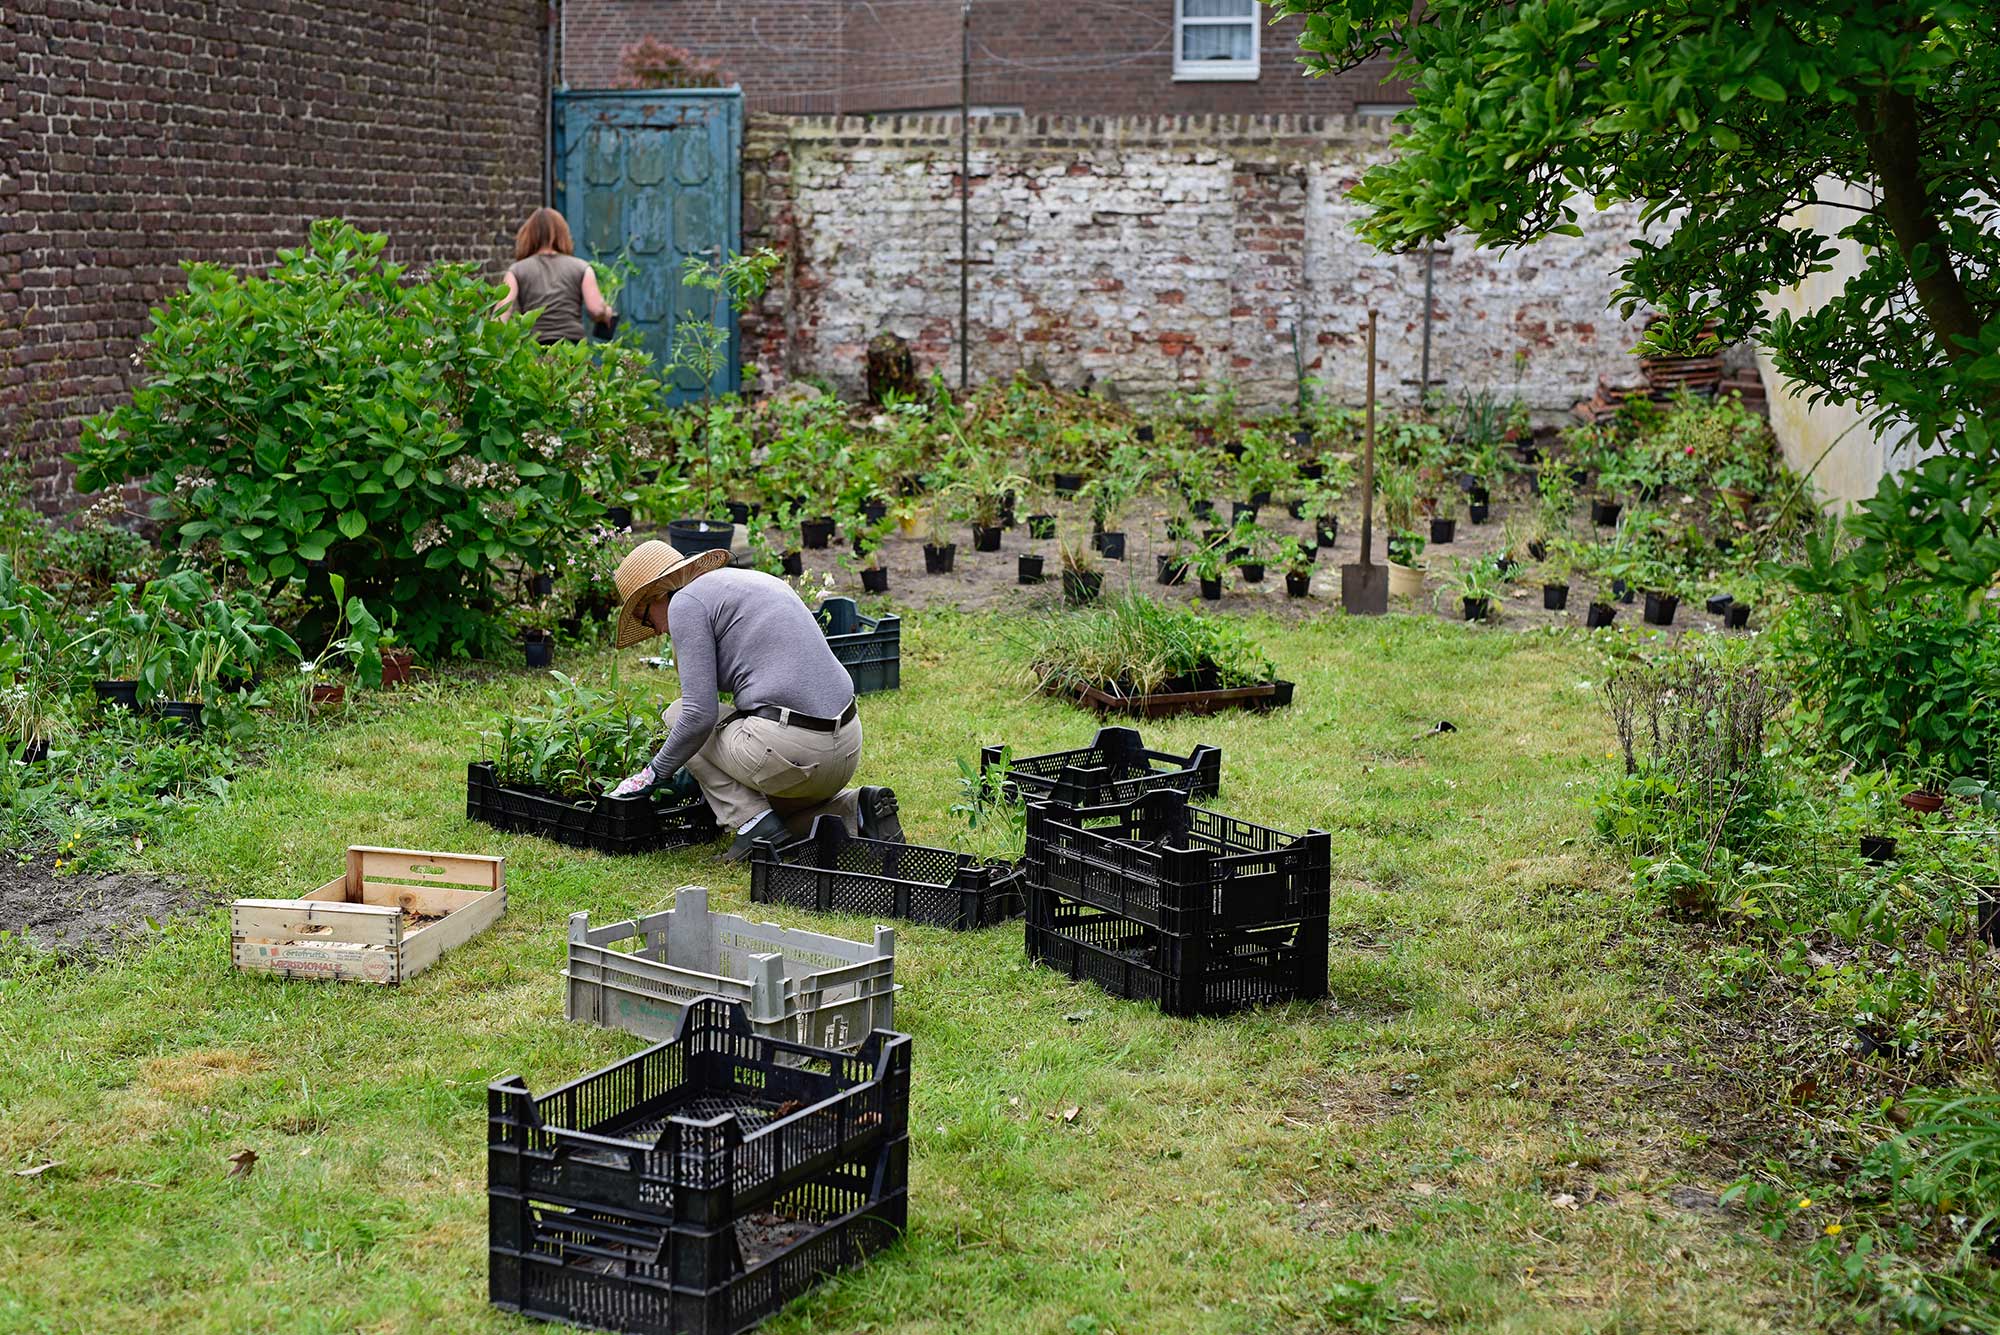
(1218, 41)
(1218, 9)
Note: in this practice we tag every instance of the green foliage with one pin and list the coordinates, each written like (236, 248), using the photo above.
(180, 638)
(582, 741)
(1912, 682)
(996, 822)
(338, 409)
(1721, 119)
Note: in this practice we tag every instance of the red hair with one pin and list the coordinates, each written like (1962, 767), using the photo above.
(544, 230)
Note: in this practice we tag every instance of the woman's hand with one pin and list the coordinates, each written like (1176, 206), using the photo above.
(639, 783)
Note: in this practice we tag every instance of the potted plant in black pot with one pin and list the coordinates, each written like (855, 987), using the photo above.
(939, 550)
(1297, 561)
(1121, 478)
(1477, 584)
(1554, 571)
(1082, 576)
(1209, 563)
(1603, 609)
(701, 351)
(868, 542)
(1662, 586)
(1444, 517)
(1262, 470)
(1250, 548)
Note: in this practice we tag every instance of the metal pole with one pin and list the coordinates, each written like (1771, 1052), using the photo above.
(1430, 267)
(965, 197)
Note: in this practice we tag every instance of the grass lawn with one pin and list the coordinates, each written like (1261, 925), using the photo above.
(1479, 1131)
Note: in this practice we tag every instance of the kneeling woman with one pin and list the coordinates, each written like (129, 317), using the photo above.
(787, 747)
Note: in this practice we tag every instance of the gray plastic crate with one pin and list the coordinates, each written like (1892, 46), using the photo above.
(801, 987)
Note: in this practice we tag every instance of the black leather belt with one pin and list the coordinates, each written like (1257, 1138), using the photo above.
(791, 718)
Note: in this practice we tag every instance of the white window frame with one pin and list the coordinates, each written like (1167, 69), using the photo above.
(1218, 70)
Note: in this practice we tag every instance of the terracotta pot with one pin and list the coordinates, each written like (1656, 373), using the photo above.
(329, 695)
(396, 665)
(1923, 803)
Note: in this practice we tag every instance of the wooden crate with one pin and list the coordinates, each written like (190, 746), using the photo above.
(354, 928)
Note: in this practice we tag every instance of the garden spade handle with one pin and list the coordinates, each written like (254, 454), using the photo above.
(1368, 456)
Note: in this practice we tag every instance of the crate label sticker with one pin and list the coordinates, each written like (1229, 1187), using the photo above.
(372, 965)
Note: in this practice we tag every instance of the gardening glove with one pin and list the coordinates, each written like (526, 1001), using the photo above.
(634, 786)
(683, 787)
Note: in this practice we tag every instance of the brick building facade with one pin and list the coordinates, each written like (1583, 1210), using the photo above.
(1040, 57)
(135, 134)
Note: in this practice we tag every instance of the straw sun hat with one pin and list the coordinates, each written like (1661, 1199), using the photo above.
(651, 572)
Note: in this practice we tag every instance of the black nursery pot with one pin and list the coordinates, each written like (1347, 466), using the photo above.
(35, 752)
(1604, 513)
(1298, 585)
(1443, 531)
(124, 693)
(986, 539)
(792, 563)
(1238, 509)
(1008, 518)
(1202, 509)
(1477, 609)
(1296, 509)
(1030, 570)
(938, 560)
(739, 511)
(1252, 572)
(1170, 569)
(618, 516)
(1082, 586)
(875, 579)
(1211, 589)
(1041, 526)
(1068, 484)
(1144, 435)
(1600, 615)
(537, 649)
(1260, 499)
(814, 534)
(1718, 603)
(1328, 532)
(872, 511)
(1737, 617)
(1555, 597)
(1312, 472)
(541, 586)
(1478, 512)
(1660, 609)
(1538, 550)
(1110, 545)
(1621, 591)
(1878, 848)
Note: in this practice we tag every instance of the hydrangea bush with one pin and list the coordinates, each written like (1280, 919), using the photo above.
(340, 411)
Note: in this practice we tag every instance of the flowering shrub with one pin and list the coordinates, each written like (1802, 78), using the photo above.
(339, 410)
(652, 63)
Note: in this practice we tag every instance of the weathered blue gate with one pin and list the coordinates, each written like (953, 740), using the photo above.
(651, 176)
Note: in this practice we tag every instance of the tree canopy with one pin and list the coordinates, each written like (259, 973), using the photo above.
(1721, 119)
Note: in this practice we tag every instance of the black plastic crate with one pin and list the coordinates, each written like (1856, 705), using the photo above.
(1115, 767)
(834, 871)
(693, 1132)
(1164, 863)
(870, 648)
(608, 824)
(597, 1268)
(1201, 973)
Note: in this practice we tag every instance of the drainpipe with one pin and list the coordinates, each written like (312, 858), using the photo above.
(552, 17)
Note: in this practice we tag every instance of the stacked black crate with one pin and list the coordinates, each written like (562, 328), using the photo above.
(699, 1186)
(1158, 900)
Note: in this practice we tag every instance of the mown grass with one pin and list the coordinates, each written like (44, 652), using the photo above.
(1466, 1137)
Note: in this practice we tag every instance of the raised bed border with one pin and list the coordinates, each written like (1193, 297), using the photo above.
(809, 873)
(1274, 694)
(605, 824)
(1104, 771)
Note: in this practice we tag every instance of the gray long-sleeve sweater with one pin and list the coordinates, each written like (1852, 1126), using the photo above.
(746, 633)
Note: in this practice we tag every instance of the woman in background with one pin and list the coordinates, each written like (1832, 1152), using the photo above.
(547, 276)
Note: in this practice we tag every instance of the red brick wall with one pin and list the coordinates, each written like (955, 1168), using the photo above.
(135, 134)
(1048, 57)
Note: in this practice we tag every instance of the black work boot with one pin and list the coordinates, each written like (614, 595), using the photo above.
(769, 826)
(878, 815)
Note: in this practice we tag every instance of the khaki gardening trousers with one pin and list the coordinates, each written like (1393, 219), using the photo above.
(751, 765)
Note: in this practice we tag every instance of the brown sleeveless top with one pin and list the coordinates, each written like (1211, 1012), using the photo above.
(553, 285)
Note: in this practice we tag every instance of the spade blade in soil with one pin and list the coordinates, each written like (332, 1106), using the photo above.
(1364, 589)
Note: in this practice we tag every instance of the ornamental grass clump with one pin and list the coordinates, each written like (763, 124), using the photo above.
(1132, 645)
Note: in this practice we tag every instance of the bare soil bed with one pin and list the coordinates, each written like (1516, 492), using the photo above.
(83, 915)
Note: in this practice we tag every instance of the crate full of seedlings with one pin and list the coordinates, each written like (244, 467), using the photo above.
(700, 1185)
(834, 871)
(385, 919)
(1117, 766)
(870, 648)
(1162, 901)
(648, 823)
(641, 975)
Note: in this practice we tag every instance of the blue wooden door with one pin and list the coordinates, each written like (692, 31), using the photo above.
(648, 178)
